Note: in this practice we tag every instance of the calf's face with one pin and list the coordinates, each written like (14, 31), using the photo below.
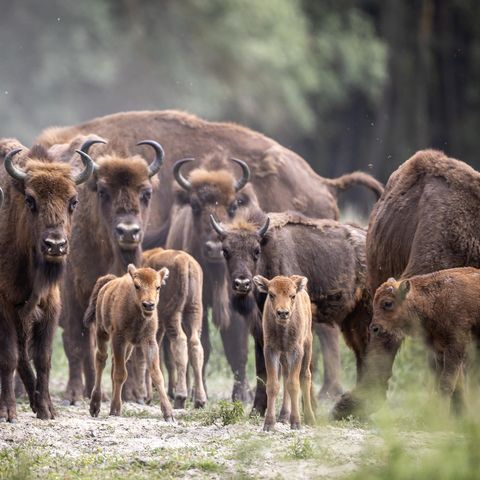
(281, 294)
(390, 314)
(147, 283)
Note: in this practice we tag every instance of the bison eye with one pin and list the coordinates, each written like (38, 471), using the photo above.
(195, 208)
(103, 194)
(256, 253)
(292, 297)
(387, 305)
(272, 296)
(30, 203)
(225, 253)
(232, 210)
(72, 204)
(145, 196)
(137, 287)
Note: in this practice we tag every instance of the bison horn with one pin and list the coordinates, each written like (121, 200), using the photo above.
(86, 147)
(11, 169)
(181, 180)
(217, 227)
(90, 165)
(263, 229)
(2, 197)
(239, 184)
(154, 167)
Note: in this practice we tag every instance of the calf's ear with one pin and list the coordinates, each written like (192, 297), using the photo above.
(164, 274)
(261, 283)
(299, 281)
(403, 289)
(131, 269)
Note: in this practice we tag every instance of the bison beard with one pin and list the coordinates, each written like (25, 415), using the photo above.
(243, 304)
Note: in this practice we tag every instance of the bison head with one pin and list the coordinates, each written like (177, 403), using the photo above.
(49, 191)
(241, 247)
(212, 192)
(122, 190)
(390, 310)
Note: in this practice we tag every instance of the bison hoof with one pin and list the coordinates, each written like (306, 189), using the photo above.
(269, 426)
(179, 402)
(330, 392)
(346, 406)
(114, 412)
(200, 403)
(295, 425)
(169, 418)
(74, 393)
(284, 417)
(44, 414)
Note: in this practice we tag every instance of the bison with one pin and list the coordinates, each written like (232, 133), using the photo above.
(124, 310)
(280, 179)
(287, 342)
(180, 318)
(330, 254)
(106, 237)
(426, 220)
(443, 308)
(40, 198)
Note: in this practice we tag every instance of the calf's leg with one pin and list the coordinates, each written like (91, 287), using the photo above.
(119, 373)
(306, 384)
(272, 364)
(179, 351)
(101, 356)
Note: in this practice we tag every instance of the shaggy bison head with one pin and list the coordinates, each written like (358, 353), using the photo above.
(212, 192)
(47, 193)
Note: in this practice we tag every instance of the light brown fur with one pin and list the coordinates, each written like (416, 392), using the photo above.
(287, 334)
(444, 308)
(124, 310)
(180, 313)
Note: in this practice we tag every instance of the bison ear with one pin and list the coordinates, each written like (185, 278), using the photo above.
(403, 289)
(164, 273)
(299, 281)
(131, 269)
(261, 283)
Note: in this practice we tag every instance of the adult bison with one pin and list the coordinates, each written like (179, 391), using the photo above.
(427, 220)
(106, 237)
(330, 254)
(40, 198)
(280, 179)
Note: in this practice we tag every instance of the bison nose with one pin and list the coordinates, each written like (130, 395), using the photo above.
(148, 306)
(283, 313)
(242, 284)
(55, 246)
(375, 328)
(128, 232)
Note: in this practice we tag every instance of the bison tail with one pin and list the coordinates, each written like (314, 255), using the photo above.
(356, 178)
(89, 316)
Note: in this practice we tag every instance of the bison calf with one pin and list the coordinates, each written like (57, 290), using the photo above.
(287, 336)
(125, 311)
(180, 313)
(442, 306)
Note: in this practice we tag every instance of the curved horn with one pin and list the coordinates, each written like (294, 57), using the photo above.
(11, 169)
(217, 227)
(263, 229)
(181, 180)
(2, 197)
(86, 147)
(84, 175)
(154, 167)
(240, 183)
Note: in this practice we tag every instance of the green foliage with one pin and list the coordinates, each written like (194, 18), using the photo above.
(225, 413)
(301, 449)
(15, 464)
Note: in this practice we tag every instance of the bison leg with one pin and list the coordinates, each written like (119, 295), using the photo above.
(8, 362)
(260, 400)
(170, 366)
(101, 356)
(235, 344)
(43, 333)
(294, 361)
(24, 367)
(134, 387)
(451, 361)
(306, 384)
(272, 365)
(120, 353)
(372, 386)
(329, 342)
(153, 362)
(206, 345)
(179, 352)
(284, 416)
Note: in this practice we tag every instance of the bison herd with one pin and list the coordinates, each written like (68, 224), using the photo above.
(132, 228)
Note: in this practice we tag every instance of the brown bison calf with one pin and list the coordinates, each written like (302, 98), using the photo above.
(287, 336)
(125, 310)
(444, 307)
(180, 313)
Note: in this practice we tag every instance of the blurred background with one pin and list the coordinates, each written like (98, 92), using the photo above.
(347, 84)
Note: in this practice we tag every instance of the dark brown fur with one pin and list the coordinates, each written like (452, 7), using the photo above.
(180, 314)
(330, 254)
(287, 342)
(444, 308)
(126, 313)
(29, 275)
(426, 220)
